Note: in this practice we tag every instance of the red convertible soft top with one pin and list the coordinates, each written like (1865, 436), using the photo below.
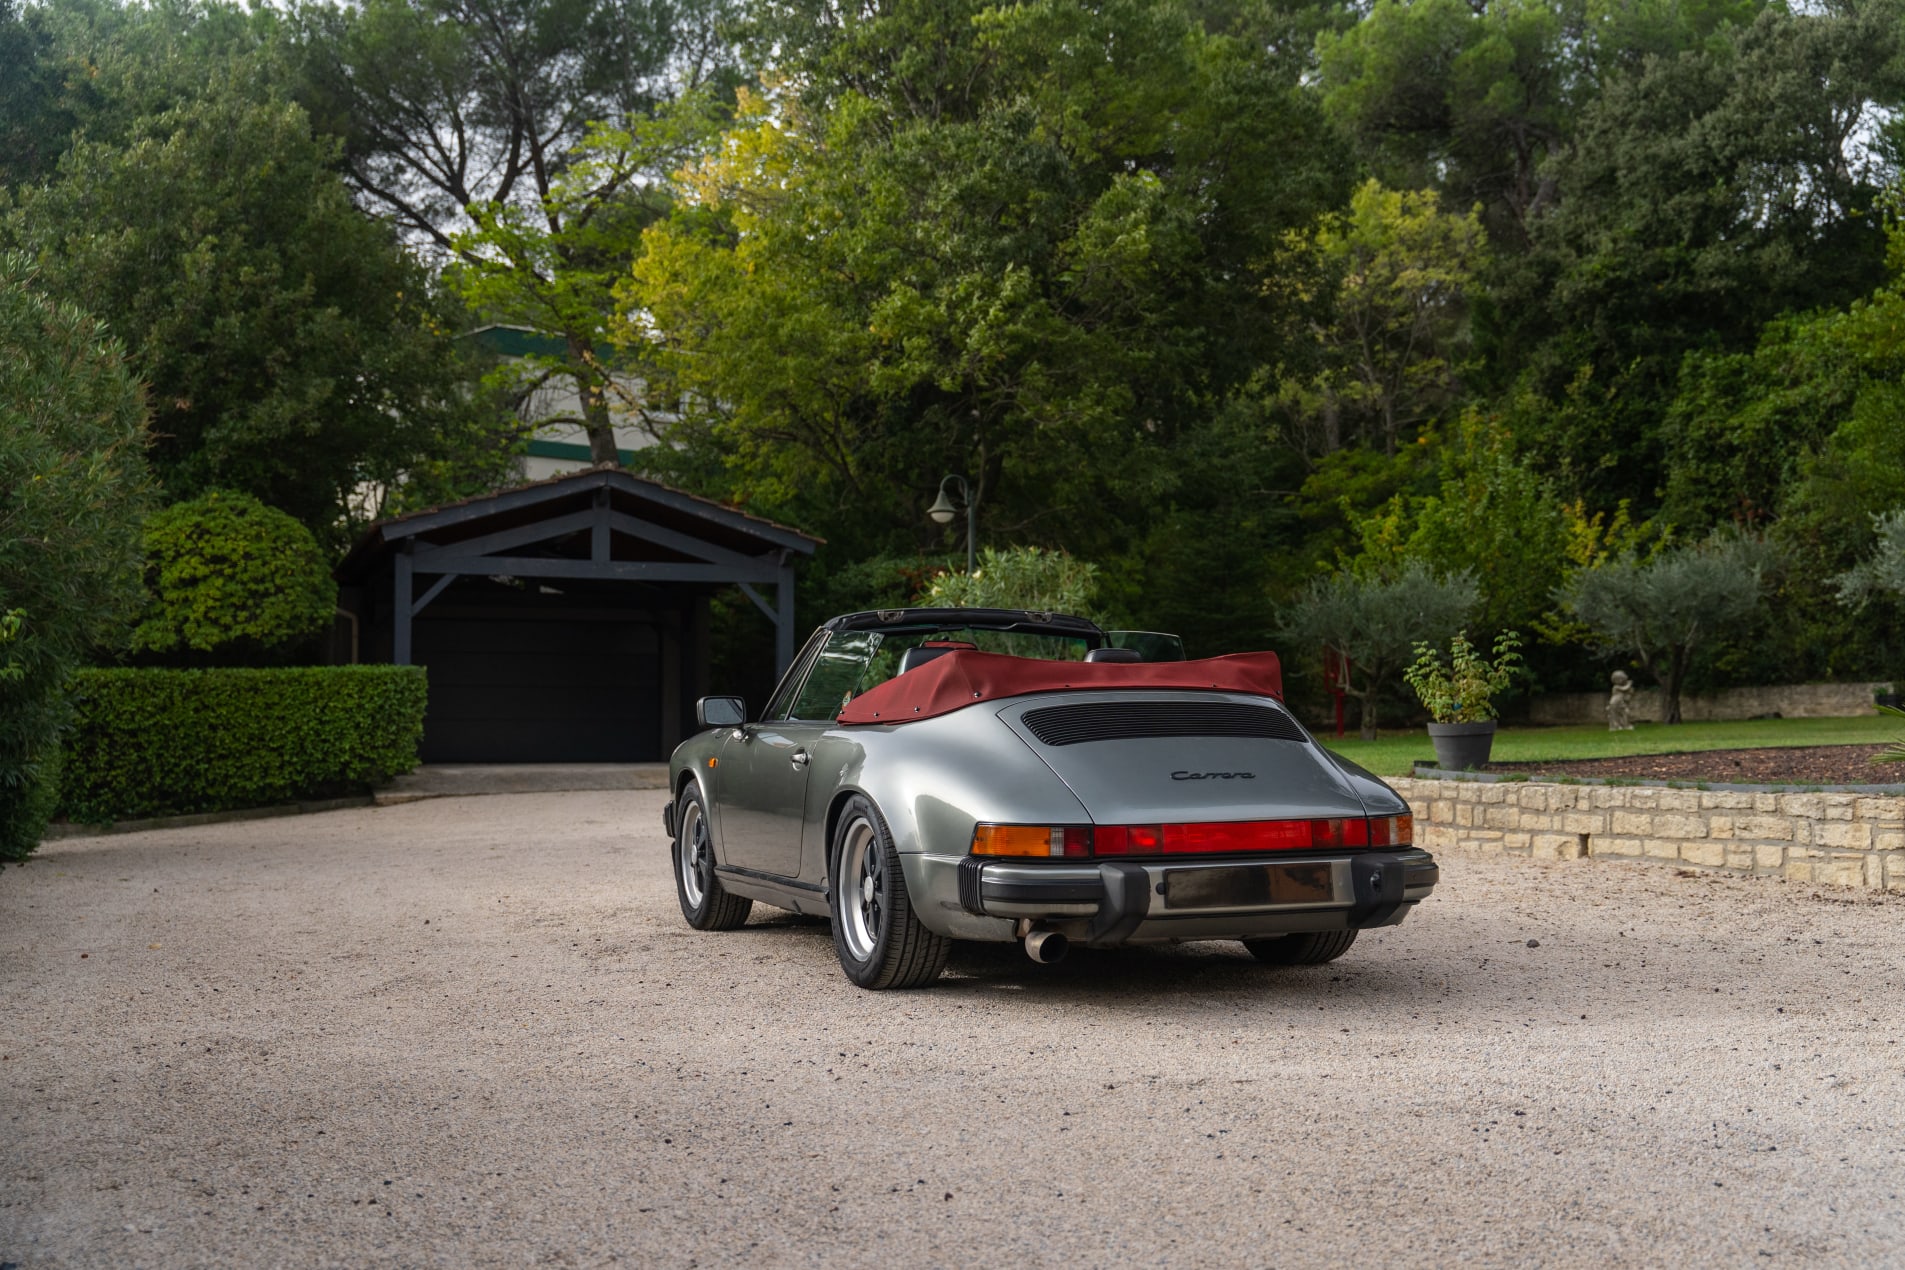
(963, 678)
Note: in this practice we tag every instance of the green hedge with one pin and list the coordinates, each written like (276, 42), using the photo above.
(167, 742)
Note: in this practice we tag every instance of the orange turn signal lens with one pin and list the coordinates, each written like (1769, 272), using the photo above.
(1012, 840)
(1031, 840)
(1391, 831)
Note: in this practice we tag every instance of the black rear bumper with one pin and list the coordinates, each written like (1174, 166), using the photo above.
(1113, 902)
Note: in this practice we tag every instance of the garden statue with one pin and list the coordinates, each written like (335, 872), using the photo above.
(1620, 704)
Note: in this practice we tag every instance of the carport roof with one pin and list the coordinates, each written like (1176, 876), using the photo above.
(657, 505)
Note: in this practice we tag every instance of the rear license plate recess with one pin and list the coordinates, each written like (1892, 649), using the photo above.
(1245, 886)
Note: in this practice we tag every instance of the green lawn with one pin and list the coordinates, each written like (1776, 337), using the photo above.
(1392, 753)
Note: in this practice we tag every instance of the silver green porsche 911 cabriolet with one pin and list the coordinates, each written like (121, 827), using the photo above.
(926, 775)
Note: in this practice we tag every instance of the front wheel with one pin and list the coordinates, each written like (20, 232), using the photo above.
(1312, 949)
(881, 944)
(704, 901)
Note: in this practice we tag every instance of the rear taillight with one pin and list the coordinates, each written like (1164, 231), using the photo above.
(1226, 837)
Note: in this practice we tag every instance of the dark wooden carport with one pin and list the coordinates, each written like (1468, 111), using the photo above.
(566, 620)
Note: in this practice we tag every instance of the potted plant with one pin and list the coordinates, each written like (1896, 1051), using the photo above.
(1460, 696)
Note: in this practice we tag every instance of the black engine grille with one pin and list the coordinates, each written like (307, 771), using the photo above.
(1123, 720)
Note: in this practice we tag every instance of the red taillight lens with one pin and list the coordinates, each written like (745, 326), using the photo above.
(1225, 837)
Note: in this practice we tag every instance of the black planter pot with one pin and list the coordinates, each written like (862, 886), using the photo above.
(1461, 747)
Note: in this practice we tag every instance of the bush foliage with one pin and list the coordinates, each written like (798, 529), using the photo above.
(72, 490)
(157, 742)
(233, 578)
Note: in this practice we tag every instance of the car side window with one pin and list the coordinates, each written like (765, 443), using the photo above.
(836, 675)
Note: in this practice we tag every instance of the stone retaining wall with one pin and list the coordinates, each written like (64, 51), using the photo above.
(1789, 701)
(1837, 839)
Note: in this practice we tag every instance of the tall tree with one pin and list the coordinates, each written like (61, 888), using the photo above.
(520, 139)
(293, 349)
(1704, 194)
(1393, 276)
(72, 466)
(1026, 244)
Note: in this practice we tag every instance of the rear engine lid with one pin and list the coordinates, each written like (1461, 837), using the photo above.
(1168, 757)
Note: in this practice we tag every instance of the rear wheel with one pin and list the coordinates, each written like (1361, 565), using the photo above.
(881, 944)
(1312, 949)
(704, 901)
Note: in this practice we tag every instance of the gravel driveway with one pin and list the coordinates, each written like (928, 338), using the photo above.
(475, 1031)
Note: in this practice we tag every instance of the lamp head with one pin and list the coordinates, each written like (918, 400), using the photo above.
(942, 511)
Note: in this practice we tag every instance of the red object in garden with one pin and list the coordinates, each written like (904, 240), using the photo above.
(1336, 670)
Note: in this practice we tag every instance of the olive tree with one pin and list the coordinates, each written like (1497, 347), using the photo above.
(1375, 620)
(73, 476)
(1885, 571)
(1661, 608)
(1018, 578)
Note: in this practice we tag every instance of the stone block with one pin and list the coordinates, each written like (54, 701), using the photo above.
(1637, 823)
(1840, 870)
(1892, 808)
(1888, 839)
(1842, 834)
(1710, 854)
(1557, 846)
(1661, 848)
(1584, 822)
(1812, 806)
(1683, 827)
(1739, 857)
(1764, 828)
(1677, 799)
(1720, 826)
(1797, 870)
(1464, 815)
(1766, 804)
(1609, 845)
(1725, 800)
(1895, 870)
(1516, 843)
(1643, 798)
(1442, 811)
(1769, 859)
(1501, 817)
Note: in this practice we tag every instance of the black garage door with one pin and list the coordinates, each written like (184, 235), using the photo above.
(552, 691)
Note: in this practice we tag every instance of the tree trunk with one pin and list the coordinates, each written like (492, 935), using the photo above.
(1670, 686)
(595, 406)
(1369, 713)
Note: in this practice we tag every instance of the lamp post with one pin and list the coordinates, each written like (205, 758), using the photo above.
(944, 509)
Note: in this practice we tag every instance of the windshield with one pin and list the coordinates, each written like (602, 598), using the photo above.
(888, 648)
(852, 662)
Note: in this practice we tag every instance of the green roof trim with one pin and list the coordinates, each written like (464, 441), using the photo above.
(570, 450)
(517, 341)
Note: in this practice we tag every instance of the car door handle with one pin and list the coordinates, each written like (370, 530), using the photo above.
(799, 758)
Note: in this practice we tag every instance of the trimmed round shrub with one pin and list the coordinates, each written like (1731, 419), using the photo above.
(232, 578)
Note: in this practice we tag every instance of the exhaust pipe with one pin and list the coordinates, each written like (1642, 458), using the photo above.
(1047, 947)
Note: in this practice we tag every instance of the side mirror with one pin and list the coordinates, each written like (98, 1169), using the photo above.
(720, 712)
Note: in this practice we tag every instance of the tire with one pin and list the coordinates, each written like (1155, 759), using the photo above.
(1312, 949)
(881, 944)
(704, 902)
